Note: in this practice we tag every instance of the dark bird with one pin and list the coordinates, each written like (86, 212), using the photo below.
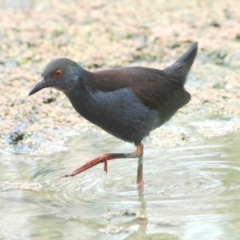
(126, 102)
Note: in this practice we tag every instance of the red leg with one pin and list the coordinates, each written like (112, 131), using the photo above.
(106, 157)
(140, 175)
(140, 171)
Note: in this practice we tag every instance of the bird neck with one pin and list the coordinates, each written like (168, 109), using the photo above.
(82, 97)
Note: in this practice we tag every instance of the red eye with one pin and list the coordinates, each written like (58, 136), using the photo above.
(58, 73)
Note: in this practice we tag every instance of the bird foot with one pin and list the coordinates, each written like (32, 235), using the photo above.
(105, 168)
(68, 175)
(106, 157)
(101, 159)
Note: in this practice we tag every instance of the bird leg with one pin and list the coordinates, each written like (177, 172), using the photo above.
(110, 156)
(140, 170)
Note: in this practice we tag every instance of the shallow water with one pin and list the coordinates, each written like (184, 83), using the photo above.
(191, 192)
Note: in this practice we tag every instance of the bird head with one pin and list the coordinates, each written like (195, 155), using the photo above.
(61, 73)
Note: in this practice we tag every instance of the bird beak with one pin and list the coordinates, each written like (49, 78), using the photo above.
(40, 85)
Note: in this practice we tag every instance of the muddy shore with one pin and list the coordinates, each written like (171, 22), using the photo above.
(107, 34)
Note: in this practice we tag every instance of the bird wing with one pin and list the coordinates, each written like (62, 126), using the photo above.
(152, 86)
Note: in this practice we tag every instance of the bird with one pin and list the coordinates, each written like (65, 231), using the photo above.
(127, 102)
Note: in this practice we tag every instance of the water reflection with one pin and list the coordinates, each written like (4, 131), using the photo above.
(191, 192)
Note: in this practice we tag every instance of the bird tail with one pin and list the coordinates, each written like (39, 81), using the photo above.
(178, 71)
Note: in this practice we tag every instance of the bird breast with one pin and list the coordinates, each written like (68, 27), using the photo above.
(119, 112)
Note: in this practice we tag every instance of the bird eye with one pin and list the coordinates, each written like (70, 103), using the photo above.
(58, 73)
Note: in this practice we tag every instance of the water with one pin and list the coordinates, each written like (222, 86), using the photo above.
(191, 192)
